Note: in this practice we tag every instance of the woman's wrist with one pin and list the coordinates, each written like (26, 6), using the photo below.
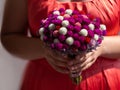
(102, 49)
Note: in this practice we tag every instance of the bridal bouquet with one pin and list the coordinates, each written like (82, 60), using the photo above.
(71, 33)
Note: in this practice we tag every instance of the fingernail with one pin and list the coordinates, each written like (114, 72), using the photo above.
(80, 73)
(72, 68)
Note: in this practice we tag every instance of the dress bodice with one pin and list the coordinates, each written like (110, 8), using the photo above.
(107, 10)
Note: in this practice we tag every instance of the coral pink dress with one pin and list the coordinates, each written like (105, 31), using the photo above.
(104, 74)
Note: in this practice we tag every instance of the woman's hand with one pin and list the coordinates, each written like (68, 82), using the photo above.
(84, 61)
(56, 60)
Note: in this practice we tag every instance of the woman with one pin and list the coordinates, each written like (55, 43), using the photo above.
(49, 71)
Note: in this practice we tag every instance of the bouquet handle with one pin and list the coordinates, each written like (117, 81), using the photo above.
(76, 79)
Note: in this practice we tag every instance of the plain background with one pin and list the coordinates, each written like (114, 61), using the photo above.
(11, 68)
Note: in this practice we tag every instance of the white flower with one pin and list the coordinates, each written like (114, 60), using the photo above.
(63, 30)
(41, 37)
(83, 32)
(56, 13)
(69, 11)
(41, 30)
(65, 23)
(69, 41)
(102, 27)
(60, 17)
(91, 26)
(56, 41)
(51, 26)
(96, 37)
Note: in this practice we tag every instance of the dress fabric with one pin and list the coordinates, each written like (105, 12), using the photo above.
(104, 74)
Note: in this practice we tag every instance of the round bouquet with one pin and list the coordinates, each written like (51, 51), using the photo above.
(71, 33)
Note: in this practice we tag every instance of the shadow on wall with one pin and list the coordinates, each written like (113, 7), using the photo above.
(11, 68)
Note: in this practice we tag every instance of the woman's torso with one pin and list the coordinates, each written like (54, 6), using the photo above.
(41, 76)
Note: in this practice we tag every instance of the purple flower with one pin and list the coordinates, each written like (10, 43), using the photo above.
(78, 20)
(70, 27)
(91, 33)
(99, 40)
(76, 44)
(98, 31)
(85, 27)
(83, 47)
(69, 33)
(72, 21)
(76, 12)
(62, 38)
(77, 28)
(45, 38)
(97, 25)
(62, 10)
(56, 22)
(86, 21)
(76, 36)
(47, 24)
(104, 32)
(59, 46)
(54, 16)
(81, 39)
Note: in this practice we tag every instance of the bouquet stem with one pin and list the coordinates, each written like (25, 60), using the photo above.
(77, 79)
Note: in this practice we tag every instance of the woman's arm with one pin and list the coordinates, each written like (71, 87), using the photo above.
(111, 47)
(13, 28)
(17, 43)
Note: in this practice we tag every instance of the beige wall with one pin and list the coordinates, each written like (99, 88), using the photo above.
(11, 68)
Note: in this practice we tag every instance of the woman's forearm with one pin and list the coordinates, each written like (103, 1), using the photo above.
(22, 46)
(111, 47)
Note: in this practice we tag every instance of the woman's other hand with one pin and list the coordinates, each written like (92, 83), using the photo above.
(84, 61)
(56, 60)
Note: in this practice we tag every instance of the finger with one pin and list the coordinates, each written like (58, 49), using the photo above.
(89, 54)
(80, 59)
(79, 67)
(75, 68)
(73, 75)
(76, 61)
(89, 60)
(57, 62)
(59, 55)
(56, 57)
(87, 66)
(88, 63)
(59, 69)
